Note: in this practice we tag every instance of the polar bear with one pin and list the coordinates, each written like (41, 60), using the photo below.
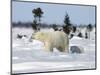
(53, 39)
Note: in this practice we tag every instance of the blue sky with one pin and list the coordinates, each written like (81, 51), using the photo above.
(53, 13)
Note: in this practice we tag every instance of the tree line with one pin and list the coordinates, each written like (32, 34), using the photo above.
(67, 27)
(36, 25)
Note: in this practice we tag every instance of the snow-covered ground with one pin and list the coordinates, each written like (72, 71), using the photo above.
(30, 56)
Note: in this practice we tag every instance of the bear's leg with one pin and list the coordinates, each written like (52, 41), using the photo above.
(61, 49)
(67, 49)
(64, 49)
(66, 46)
(48, 47)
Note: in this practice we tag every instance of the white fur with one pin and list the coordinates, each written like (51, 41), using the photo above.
(53, 39)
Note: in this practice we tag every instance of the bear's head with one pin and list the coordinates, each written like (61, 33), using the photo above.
(39, 36)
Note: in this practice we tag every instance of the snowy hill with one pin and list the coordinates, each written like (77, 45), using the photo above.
(30, 56)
